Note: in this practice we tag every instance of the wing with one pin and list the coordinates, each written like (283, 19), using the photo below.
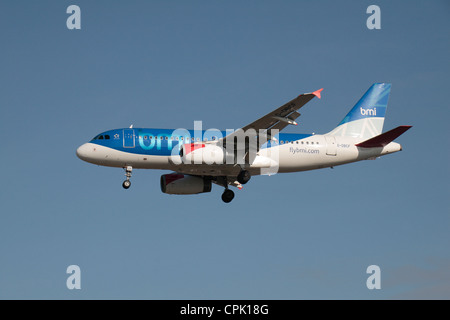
(284, 115)
(275, 120)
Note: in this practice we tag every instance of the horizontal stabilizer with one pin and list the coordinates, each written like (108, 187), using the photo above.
(384, 138)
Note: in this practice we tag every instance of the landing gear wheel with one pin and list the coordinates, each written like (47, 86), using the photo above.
(126, 184)
(243, 177)
(227, 195)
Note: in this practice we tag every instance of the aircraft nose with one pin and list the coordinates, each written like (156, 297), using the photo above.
(83, 151)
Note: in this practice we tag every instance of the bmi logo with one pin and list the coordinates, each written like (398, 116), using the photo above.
(369, 112)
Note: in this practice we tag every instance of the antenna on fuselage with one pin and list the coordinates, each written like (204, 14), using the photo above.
(131, 127)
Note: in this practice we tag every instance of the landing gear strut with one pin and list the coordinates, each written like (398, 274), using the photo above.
(127, 183)
(227, 195)
(243, 177)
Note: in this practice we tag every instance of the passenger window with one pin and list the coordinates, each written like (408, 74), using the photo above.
(145, 137)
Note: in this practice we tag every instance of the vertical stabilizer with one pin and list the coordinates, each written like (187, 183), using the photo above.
(366, 119)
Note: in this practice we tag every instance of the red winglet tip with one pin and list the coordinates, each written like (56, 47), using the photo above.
(317, 93)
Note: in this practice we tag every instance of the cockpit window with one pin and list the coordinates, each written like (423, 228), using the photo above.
(101, 137)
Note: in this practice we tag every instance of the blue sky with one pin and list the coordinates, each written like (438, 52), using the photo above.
(165, 64)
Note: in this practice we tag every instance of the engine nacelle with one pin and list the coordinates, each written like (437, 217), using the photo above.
(176, 183)
(201, 153)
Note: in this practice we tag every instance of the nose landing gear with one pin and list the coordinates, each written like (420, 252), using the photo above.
(127, 183)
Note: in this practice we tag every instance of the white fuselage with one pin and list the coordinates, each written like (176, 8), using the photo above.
(314, 152)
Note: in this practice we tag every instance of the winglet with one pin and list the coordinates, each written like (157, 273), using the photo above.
(317, 93)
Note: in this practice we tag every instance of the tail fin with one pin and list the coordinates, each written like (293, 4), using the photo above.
(366, 119)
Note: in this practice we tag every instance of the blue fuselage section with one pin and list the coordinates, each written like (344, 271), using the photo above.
(162, 142)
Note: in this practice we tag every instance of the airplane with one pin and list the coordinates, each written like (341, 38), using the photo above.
(198, 158)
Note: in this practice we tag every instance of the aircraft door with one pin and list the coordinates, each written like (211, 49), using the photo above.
(331, 145)
(128, 138)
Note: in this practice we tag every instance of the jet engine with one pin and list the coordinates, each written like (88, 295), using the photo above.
(176, 183)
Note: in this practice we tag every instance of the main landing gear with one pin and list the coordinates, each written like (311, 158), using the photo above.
(127, 183)
(227, 195)
(243, 177)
